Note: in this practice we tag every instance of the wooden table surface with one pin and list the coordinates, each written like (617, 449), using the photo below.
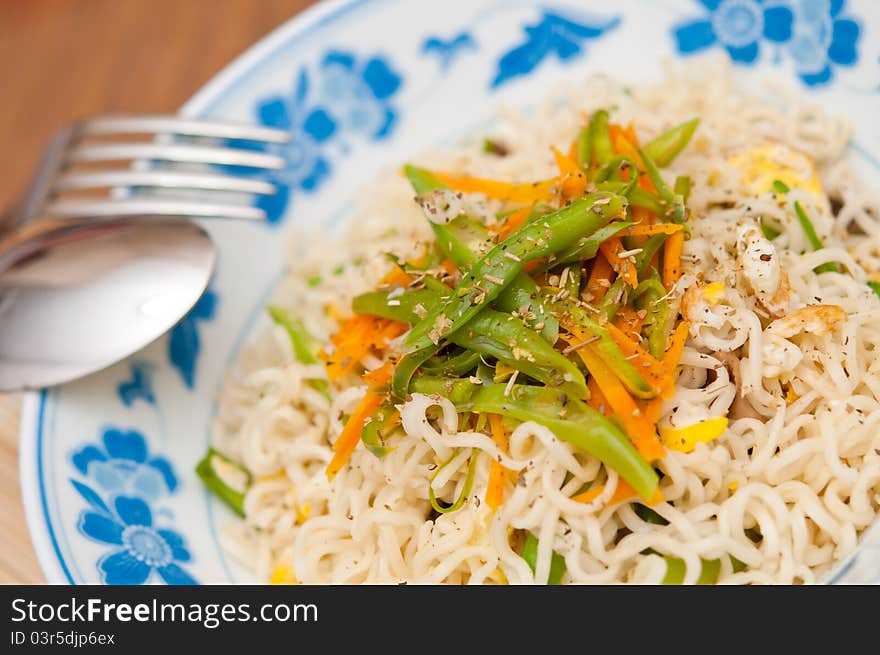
(62, 60)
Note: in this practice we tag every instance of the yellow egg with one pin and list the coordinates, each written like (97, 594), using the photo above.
(283, 574)
(714, 292)
(760, 167)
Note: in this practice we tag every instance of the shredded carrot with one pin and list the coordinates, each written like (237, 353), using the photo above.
(655, 371)
(589, 495)
(597, 399)
(648, 230)
(600, 279)
(625, 267)
(640, 431)
(351, 433)
(625, 492)
(545, 190)
(353, 341)
(676, 346)
(574, 181)
(514, 221)
(448, 266)
(622, 493)
(379, 376)
(672, 259)
(624, 142)
(497, 473)
(629, 322)
(397, 277)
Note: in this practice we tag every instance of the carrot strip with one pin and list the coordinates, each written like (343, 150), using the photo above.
(379, 376)
(622, 144)
(672, 259)
(589, 495)
(648, 230)
(625, 492)
(574, 181)
(640, 431)
(353, 341)
(629, 323)
(625, 267)
(514, 221)
(497, 473)
(529, 192)
(597, 399)
(600, 277)
(640, 358)
(351, 433)
(397, 277)
(622, 493)
(448, 266)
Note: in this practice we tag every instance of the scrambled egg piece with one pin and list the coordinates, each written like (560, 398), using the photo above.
(761, 166)
(283, 574)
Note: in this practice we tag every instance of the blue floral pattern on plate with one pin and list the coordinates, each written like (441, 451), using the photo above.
(139, 386)
(142, 548)
(813, 33)
(120, 515)
(449, 49)
(554, 33)
(183, 341)
(349, 95)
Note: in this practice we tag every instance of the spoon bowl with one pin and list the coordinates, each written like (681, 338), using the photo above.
(84, 297)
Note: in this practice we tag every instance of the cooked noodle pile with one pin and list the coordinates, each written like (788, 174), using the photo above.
(792, 358)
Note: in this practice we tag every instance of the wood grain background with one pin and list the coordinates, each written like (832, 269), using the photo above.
(62, 60)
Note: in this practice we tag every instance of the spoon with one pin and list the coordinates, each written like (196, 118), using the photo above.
(85, 296)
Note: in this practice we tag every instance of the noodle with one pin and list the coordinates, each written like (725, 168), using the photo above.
(799, 463)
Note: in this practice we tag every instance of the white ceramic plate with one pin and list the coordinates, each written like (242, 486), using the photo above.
(107, 462)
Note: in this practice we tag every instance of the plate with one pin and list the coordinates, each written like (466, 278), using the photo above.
(107, 462)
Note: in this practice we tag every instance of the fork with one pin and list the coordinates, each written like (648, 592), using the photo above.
(66, 167)
(159, 163)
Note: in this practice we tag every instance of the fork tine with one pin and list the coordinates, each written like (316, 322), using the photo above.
(163, 179)
(182, 126)
(174, 152)
(151, 207)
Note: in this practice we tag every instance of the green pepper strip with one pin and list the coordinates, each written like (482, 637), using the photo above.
(875, 287)
(573, 281)
(609, 173)
(494, 272)
(769, 232)
(607, 349)
(423, 181)
(645, 199)
(674, 203)
(462, 240)
(465, 491)
(584, 148)
(568, 418)
(612, 300)
(587, 247)
(666, 147)
(682, 187)
(215, 484)
(492, 333)
(813, 238)
(454, 365)
(649, 247)
(675, 571)
(648, 296)
(304, 345)
(377, 428)
(600, 138)
(530, 555)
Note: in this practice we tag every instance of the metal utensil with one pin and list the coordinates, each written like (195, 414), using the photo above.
(86, 281)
